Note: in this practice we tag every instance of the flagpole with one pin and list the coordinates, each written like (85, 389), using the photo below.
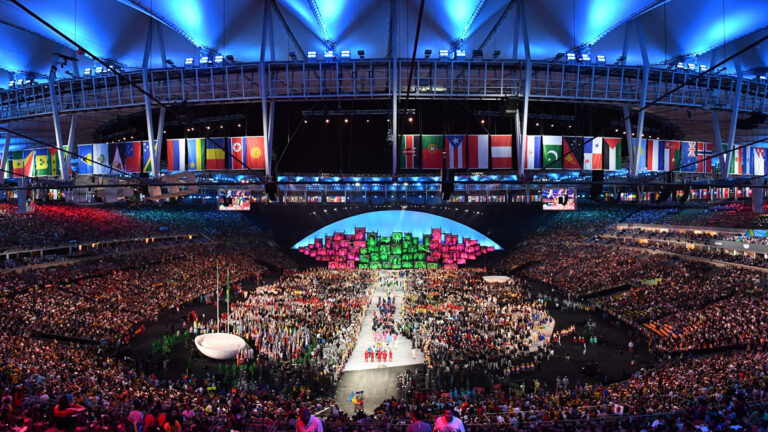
(218, 315)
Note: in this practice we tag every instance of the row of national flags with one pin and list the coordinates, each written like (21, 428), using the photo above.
(461, 151)
(185, 154)
(37, 162)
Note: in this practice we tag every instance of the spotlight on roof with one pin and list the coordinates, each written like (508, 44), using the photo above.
(477, 54)
(11, 84)
(87, 72)
(680, 65)
(230, 58)
(99, 70)
(189, 61)
(585, 57)
(427, 53)
(345, 54)
(570, 57)
(600, 58)
(691, 66)
(219, 59)
(461, 53)
(292, 55)
(311, 54)
(361, 54)
(443, 53)
(170, 62)
(703, 68)
(496, 53)
(329, 54)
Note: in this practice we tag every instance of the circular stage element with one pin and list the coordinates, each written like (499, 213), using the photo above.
(496, 279)
(220, 346)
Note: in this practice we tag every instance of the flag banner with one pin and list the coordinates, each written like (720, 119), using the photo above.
(17, 163)
(29, 163)
(146, 158)
(654, 154)
(593, 153)
(85, 165)
(501, 151)
(432, 152)
(758, 161)
(176, 151)
(703, 151)
(671, 155)
(214, 154)
(532, 152)
(552, 147)
(573, 152)
(42, 162)
(117, 158)
(612, 152)
(53, 153)
(255, 155)
(410, 151)
(236, 156)
(456, 149)
(132, 156)
(688, 161)
(101, 159)
(195, 154)
(740, 161)
(477, 148)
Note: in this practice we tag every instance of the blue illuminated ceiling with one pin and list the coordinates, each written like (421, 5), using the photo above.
(116, 29)
(386, 222)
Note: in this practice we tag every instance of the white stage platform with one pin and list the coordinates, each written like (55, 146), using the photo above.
(220, 346)
(401, 352)
(496, 279)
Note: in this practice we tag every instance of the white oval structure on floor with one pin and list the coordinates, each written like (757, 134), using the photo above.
(220, 346)
(496, 279)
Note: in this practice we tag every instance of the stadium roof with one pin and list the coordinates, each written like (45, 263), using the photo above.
(675, 30)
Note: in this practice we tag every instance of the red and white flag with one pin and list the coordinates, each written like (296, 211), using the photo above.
(454, 145)
(501, 151)
(477, 149)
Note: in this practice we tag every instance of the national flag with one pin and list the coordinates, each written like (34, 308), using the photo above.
(255, 155)
(101, 159)
(593, 153)
(552, 148)
(42, 162)
(214, 154)
(410, 151)
(85, 153)
(132, 156)
(236, 156)
(671, 155)
(53, 153)
(612, 153)
(117, 158)
(532, 152)
(477, 149)
(195, 154)
(501, 151)
(146, 156)
(737, 165)
(431, 152)
(573, 152)
(703, 151)
(176, 150)
(758, 161)
(688, 160)
(456, 149)
(29, 163)
(654, 155)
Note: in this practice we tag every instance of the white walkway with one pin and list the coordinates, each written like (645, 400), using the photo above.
(401, 352)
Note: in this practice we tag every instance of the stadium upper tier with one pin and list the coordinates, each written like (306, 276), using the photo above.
(374, 79)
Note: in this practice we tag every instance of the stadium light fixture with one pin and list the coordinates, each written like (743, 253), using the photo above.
(692, 66)
(496, 53)
(189, 61)
(292, 55)
(204, 60)
(87, 72)
(361, 54)
(443, 53)
(99, 69)
(11, 84)
(477, 54)
(330, 55)
(19, 82)
(585, 57)
(703, 68)
(460, 53)
(312, 54)
(680, 65)
(427, 53)
(219, 59)
(600, 58)
(570, 57)
(345, 54)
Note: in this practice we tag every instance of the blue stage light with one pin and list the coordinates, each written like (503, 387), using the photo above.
(461, 53)
(444, 53)
(345, 54)
(189, 61)
(330, 55)
(311, 54)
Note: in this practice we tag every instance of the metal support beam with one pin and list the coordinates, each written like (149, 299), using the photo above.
(325, 34)
(643, 96)
(392, 23)
(758, 194)
(458, 43)
(4, 156)
(516, 38)
(161, 42)
(628, 20)
(70, 146)
(721, 158)
(628, 127)
(301, 53)
(518, 141)
(263, 93)
(147, 100)
(734, 117)
(158, 142)
(625, 48)
(56, 123)
(496, 25)
(528, 69)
